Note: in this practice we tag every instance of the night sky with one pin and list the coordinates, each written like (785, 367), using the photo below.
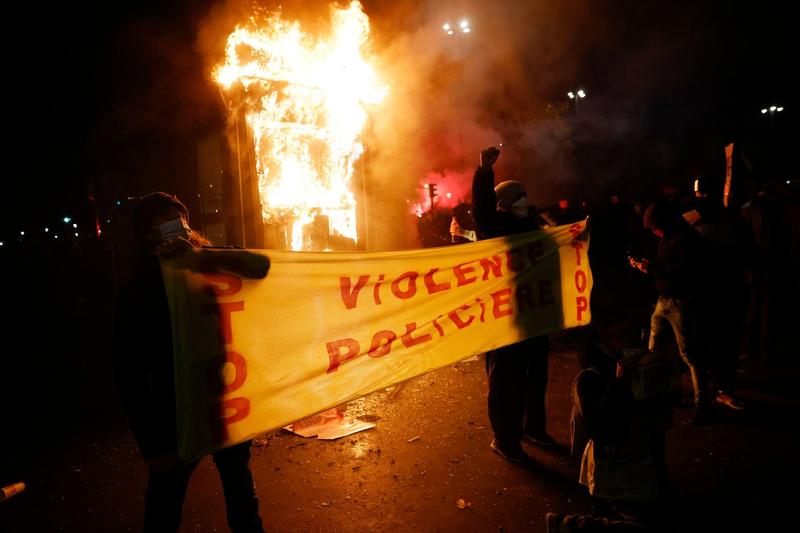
(93, 88)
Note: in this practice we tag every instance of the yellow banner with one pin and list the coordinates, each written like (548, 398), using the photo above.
(255, 352)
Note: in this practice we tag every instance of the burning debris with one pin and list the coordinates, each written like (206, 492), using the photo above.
(306, 101)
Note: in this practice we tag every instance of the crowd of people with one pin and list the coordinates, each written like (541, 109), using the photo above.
(696, 268)
(690, 270)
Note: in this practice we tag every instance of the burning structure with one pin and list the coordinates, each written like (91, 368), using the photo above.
(299, 103)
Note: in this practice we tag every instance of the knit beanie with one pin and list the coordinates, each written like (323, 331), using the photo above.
(508, 192)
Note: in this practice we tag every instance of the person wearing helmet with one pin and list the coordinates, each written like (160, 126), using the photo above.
(517, 373)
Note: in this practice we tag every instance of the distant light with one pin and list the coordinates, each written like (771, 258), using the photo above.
(67, 220)
(74, 225)
(788, 182)
(108, 220)
(779, 109)
(22, 233)
(763, 111)
(46, 230)
(446, 27)
(76, 233)
(571, 95)
(772, 108)
(581, 93)
(55, 236)
(118, 202)
(449, 32)
(426, 185)
(464, 24)
(2, 243)
(466, 30)
(449, 195)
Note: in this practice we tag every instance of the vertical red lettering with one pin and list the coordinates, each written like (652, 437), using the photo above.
(349, 293)
(581, 306)
(216, 380)
(238, 408)
(231, 284)
(580, 280)
(225, 309)
(578, 247)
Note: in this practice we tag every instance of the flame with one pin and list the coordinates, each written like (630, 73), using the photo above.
(307, 103)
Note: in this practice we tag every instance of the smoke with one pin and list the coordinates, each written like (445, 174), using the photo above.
(505, 82)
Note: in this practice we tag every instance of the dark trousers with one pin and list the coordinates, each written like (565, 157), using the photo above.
(166, 491)
(517, 385)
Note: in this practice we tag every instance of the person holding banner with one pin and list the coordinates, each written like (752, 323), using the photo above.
(145, 376)
(517, 373)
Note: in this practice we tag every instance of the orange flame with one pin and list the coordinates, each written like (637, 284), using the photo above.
(309, 99)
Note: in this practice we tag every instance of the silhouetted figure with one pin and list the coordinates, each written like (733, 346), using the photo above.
(145, 376)
(771, 294)
(517, 373)
(678, 271)
(722, 303)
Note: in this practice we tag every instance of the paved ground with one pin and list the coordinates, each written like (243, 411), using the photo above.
(431, 448)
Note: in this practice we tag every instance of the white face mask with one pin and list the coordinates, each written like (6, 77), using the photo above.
(520, 208)
(173, 229)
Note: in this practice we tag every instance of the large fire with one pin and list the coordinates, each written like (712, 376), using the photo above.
(308, 98)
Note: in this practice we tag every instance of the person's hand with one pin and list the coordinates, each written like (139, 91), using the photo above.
(639, 264)
(455, 228)
(173, 247)
(163, 462)
(489, 156)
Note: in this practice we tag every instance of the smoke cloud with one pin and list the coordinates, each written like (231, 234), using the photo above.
(506, 82)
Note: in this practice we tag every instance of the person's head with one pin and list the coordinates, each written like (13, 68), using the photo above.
(159, 217)
(512, 197)
(661, 217)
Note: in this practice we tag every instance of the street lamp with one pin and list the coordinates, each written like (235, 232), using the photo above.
(576, 95)
(771, 109)
(463, 27)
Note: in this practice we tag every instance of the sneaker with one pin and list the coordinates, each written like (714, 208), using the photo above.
(729, 401)
(543, 440)
(510, 455)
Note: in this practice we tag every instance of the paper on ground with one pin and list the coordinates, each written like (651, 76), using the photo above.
(328, 425)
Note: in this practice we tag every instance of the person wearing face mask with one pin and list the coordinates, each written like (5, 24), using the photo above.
(145, 376)
(517, 373)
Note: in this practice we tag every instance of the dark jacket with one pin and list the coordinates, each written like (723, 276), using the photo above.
(491, 222)
(680, 265)
(143, 360)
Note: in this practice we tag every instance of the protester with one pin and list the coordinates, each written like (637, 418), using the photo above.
(730, 253)
(144, 372)
(517, 373)
(678, 270)
(621, 441)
